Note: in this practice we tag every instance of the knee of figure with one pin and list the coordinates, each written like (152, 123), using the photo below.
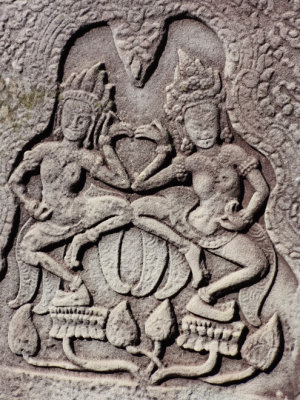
(28, 248)
(123, 209)
(29, 256)
(119, 204)
(105, 206)
(150, 206)
(125, 215)
(139, 207)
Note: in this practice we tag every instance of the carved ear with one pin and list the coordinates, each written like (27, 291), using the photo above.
(58, 115)
(186, 146)
(57, 123)
(226, 135)
(182, 141)
(88, 141)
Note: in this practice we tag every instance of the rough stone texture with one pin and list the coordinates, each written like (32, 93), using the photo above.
(149, 189)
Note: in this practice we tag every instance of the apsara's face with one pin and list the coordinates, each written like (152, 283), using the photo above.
(76, 120)
(202, 124)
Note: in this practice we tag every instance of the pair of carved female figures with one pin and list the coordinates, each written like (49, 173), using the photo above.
(204, 216)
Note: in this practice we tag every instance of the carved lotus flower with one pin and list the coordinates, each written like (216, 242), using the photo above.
(133, 262)
(161, 324)
(121, 328)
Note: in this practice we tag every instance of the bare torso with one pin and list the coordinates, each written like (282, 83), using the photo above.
(61, 172)
(62, 166)
(216, 181)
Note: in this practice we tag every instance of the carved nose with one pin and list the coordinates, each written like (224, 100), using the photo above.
(72, 124)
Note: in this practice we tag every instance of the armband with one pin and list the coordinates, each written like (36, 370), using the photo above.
(248, 165)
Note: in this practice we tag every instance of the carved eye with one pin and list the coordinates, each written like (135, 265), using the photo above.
(81, 120)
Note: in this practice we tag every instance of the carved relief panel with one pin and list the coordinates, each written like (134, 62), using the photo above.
(149, 199)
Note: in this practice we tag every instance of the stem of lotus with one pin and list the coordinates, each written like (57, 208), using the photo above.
(230, 377)
(98, 365)
(156, 352)
(188, 371)
(41, 362)
(154, 359)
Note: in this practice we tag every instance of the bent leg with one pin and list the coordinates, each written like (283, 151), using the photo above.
(102, 214)
(148, 213)
(34, 241)
(100, 208)
(243, 252)
(39, 258)
(32, 245)
(92, 235)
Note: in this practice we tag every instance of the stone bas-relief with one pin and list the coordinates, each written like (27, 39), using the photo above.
(147, 250)
(208, 217)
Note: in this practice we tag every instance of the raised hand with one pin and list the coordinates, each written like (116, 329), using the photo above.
(38, 210)
(114, 131)
(154, 131)
(234, 220)
(147, 178)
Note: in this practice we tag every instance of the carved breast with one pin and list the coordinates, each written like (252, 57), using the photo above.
(227, 181)
(56, 176)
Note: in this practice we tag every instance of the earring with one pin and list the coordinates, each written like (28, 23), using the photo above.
(186, 146)
(88, 139)
(226, 135)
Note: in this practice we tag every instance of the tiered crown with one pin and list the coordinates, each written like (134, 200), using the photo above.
(89, 86)
(192, 84)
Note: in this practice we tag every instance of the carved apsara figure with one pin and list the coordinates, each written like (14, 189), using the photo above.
(210, 216)
(207, 214)
(65, 210)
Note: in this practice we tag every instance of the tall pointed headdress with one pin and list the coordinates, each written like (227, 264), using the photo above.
(90, 86)
(193, 83)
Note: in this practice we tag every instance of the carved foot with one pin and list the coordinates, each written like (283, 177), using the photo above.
(205, 296)
(222, 313)
(79, 297)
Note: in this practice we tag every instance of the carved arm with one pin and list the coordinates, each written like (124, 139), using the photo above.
(248, 168)
(257, 181)
(163, 177)
(237, 221)
(116, 171)
(32, 160)
(30, 163)
(113, 172)
(146, 179)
